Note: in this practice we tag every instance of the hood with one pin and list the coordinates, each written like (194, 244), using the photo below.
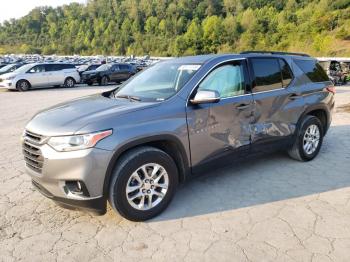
(69, 117)
(92, 72)
(7, 75)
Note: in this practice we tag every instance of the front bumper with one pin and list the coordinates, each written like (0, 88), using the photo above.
(7, 84)
(96, 205)
(88, 79)
(54, 172)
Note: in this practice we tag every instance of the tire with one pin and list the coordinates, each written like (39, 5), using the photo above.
(300, 150)
(90, 83)
(23, 85)
(104, 81)
(124, 173)
(69, 82)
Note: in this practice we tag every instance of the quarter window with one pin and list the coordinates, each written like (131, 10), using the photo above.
(267, 74)
(313, 70)
(227, 80)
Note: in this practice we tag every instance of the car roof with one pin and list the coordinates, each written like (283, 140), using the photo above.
(202, 59)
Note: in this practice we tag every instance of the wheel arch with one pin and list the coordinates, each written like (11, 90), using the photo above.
(167, 143)
(320, 111)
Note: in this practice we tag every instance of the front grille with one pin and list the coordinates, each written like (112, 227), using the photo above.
(31, 151)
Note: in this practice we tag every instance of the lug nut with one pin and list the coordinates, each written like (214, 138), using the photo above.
(152, 181)
(146, 181)
(152, 187)
(143, 190)
(149, 191)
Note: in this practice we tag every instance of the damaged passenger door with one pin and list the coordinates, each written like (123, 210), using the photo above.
(219, 115)
(277, 106)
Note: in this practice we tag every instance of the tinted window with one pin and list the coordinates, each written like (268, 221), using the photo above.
(115, 68)
(52, 67)
(286, 73)
(227, 80)
(124, 67)
(267, 74)
(313, 70)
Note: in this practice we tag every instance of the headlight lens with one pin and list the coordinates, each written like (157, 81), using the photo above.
(77, 142)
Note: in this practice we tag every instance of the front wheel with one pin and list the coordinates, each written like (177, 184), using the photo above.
(23, 85)
(69, 82)
(143, 183)
(308, 139)
(104, 81)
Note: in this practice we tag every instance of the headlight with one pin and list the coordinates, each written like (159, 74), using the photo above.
(9, 78)
(77, 142)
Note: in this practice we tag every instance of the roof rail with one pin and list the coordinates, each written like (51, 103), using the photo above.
(274, 53)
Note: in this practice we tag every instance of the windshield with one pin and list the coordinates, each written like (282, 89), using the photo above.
(23, 69)
(103, 67)
(5, 68)
(159, 82)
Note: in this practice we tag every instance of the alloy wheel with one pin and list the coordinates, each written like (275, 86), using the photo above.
(147, 186)
(311, 139)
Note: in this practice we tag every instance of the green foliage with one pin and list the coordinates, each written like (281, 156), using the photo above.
(181, 27)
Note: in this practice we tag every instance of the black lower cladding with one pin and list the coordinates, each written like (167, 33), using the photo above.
(96, 205)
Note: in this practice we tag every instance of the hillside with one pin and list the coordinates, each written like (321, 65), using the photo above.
(182, 27)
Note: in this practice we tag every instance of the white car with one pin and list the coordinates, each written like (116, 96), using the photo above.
(41, 75)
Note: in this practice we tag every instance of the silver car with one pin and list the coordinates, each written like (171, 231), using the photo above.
(41, 75)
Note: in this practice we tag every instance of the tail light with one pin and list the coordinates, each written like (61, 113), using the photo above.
(331, 89)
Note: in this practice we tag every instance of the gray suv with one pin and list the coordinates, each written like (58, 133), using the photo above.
(132, 146)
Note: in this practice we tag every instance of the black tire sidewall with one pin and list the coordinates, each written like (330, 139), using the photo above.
(121, 176)
(104, 80)
(310, 120)
(67, 79)
(18, 86)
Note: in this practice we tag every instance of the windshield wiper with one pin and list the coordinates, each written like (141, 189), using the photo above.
(131, 98)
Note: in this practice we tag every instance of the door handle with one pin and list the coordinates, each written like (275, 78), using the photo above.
(243, 106)
(294, 96)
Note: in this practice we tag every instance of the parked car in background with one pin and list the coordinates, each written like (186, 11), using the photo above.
(134, 144)
(40, 75)
(108, 73)
(2, 65)
(337, 71)
(89, 67)
(10, 68)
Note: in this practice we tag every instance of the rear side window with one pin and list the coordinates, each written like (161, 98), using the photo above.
(52, 67)
(67, 66)
(267, 74)
(287, 75)
(313, 70)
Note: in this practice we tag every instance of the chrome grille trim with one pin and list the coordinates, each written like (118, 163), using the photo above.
(31, 151)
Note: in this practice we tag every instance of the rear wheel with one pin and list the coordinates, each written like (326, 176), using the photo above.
(23, 85)
(143, 183)
(308, 140)
(90, 83)
(69, 82)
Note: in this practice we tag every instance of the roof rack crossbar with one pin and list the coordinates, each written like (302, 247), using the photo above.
(274, 53)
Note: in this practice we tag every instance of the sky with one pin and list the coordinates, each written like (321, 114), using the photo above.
(18, 8)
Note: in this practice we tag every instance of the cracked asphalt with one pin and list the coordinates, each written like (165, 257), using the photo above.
(266, 209)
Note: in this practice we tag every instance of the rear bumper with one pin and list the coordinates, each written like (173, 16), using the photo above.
(96, 205)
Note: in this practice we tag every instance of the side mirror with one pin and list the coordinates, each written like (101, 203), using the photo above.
(206, 96)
